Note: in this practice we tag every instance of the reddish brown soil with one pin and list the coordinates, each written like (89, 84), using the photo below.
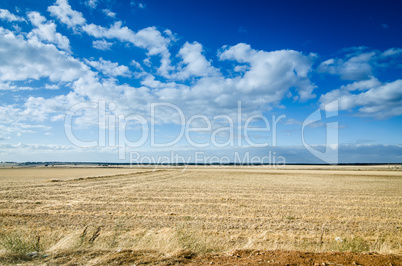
(278, 257)
(240, 257)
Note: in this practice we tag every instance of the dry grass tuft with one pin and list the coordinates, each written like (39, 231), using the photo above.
(20, 243)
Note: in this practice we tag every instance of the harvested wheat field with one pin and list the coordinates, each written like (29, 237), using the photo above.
(202, 215)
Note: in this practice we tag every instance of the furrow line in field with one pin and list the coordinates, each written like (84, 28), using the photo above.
(85, 181)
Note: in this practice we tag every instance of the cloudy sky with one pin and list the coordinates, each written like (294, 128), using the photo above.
(93, 80)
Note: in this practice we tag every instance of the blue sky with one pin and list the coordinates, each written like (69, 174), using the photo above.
(198, 63)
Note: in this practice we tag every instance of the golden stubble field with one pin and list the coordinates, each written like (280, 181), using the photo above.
(204, 210)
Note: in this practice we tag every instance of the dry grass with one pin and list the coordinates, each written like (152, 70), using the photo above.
(204, 209)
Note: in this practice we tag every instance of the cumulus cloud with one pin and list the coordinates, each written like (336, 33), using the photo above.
(268, 78)
(6, 15)
(51, 87)
(9, 114)
(8, 86)
(189, 79)
(359, 64)
(136, 65)
(62, 11)
(366, 95)
(370, 97)
(109, 13)
(272, 74)
(23, 59)
(211, 92)
(392, 52)
(109, 68)
(46, 31)
(91, 3)
(260, 79)
(22, 128)
(13, 122)
(355, 68)
(195, 63)
(102, 45)
(35, 148)
(42, 109)
(149, 38)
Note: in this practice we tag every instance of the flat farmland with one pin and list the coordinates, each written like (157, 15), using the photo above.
(67, 214)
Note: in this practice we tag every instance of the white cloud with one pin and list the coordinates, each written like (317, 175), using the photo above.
(149, 38)
(30, 59)
(46, 31)
(6, 15)
(91, 3)
(150, 82)
(9, 114)
(265, 78)
(109, 13)
(140, 5)
(272, 74)
(23, 152)
(102, 45)
(195, 63)
(259, 79)
(355, 68)
(13, 122)
(392, 52)
(41, 109)
(213, 94)
(136, 65)
(359, 64)
(367, 94)
(241, 68)
(51, 87)
(370, 97)
(11, 87)
(165, 67)
(109, 68)
(36, 147)
(62, 10)
(170, 34)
